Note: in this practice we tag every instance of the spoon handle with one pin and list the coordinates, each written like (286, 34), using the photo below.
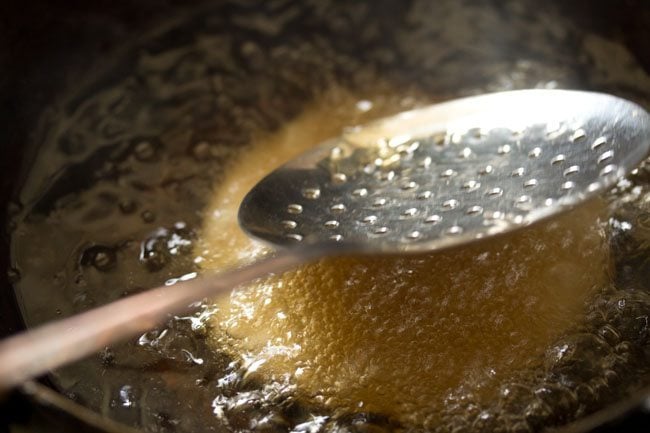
(35, 352)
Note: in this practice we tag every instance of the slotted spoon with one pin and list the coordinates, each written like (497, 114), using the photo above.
(423, 180)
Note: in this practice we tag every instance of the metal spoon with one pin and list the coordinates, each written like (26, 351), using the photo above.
(422, 180)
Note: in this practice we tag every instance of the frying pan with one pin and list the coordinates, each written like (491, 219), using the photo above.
(50, 49)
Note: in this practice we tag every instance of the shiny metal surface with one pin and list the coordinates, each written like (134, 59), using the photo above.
(34, 352)
(451, 173)
(478, 46)
(376, 190)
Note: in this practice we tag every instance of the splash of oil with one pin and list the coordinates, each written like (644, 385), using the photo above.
(397, 335)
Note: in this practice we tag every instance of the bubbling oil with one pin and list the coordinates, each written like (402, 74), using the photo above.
(115, 202)
(397, 335)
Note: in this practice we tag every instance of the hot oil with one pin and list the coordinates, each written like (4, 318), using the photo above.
(128, 191)
(521, 327)
(336, 110)
(398, 335)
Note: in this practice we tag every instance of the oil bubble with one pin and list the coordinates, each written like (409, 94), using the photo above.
(13, 275)
(158, 249)
(144, 151)
(148, 216)
(154, 254)
(107, 357)
(127, 206)
(201, 151)
(101, 257)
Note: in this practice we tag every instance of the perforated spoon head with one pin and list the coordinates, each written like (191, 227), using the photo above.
(423, 180)
(451, 173)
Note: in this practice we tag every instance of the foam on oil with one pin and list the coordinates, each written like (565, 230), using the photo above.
(397, 335)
